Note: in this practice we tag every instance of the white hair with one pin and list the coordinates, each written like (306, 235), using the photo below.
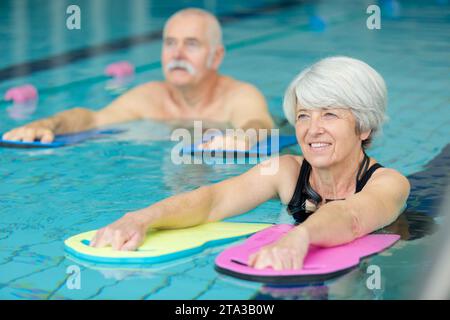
(214, 30)
(340, 82)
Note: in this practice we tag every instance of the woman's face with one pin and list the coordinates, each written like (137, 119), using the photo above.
(327, 136)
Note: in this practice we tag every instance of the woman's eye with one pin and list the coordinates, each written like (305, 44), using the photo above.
(330, 115)
(302, 116)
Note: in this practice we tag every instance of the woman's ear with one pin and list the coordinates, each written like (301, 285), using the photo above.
(365, 135)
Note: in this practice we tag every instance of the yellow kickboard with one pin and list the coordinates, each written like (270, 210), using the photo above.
(164, 245)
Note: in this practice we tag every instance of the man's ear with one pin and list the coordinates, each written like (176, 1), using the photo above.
(219, 54)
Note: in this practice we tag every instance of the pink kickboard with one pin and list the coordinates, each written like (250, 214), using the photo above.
(21, 94)
(119, 69)
(319, 261)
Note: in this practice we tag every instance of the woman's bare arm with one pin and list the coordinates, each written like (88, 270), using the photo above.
(338, 222)
(205, 204)
(377, 205)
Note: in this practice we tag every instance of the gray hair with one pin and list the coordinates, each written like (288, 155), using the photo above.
(340, 82)
(214, 30)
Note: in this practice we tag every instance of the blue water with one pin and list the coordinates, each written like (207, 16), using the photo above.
(49, 195)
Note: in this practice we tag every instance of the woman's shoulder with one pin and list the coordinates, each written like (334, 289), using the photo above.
(386, 174)
(283, 168)
(288, 170)
(382, 170)
(291, 162)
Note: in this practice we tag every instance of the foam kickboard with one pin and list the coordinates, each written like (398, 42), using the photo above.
(163, 245)
(320, 264)
(60, 140)
(263, 147)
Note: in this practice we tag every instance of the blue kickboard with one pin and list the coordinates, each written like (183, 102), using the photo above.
(261, 148)
(60, 140)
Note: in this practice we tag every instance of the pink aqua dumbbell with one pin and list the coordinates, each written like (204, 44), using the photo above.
(21, 94)
(120, 69)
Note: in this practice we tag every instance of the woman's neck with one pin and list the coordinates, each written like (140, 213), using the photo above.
(338, 181)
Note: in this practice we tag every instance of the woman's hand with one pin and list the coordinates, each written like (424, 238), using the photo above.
(127, 233)
(287, 253)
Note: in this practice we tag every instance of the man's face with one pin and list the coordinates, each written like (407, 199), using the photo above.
(187, 55)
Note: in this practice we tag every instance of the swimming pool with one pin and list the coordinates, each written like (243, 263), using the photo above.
(49, 195)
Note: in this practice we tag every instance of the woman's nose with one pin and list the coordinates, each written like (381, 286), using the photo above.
(315, 125)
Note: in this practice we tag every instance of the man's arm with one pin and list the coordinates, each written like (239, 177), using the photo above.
(127, 107)
(248, 111)
(74, 120)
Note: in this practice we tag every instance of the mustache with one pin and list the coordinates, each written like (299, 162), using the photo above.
(181, 64)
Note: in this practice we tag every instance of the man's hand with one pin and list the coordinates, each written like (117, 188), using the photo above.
(229, 142)
(287, 253)
(127, 233)
(30, 133)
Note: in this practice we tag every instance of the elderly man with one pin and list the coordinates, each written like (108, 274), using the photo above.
(193, 90)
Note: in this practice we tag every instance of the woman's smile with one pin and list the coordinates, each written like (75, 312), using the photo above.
(319, 146)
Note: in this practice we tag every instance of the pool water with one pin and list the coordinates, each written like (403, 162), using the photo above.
(49, 195)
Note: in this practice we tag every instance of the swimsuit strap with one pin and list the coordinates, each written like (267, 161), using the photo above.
(363, 166)
(297, 200)
(297, 205)
(362, 182)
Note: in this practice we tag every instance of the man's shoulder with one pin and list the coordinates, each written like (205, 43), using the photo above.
(239, 92)
(236, 87)
(152, 87)
(145, 99)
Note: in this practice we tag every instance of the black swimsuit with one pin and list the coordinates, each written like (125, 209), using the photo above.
(304, 191)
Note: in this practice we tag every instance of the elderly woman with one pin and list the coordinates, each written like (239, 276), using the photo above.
(335, 192)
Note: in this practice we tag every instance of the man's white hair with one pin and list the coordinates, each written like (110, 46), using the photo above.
(214, 30)
(340, 82)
